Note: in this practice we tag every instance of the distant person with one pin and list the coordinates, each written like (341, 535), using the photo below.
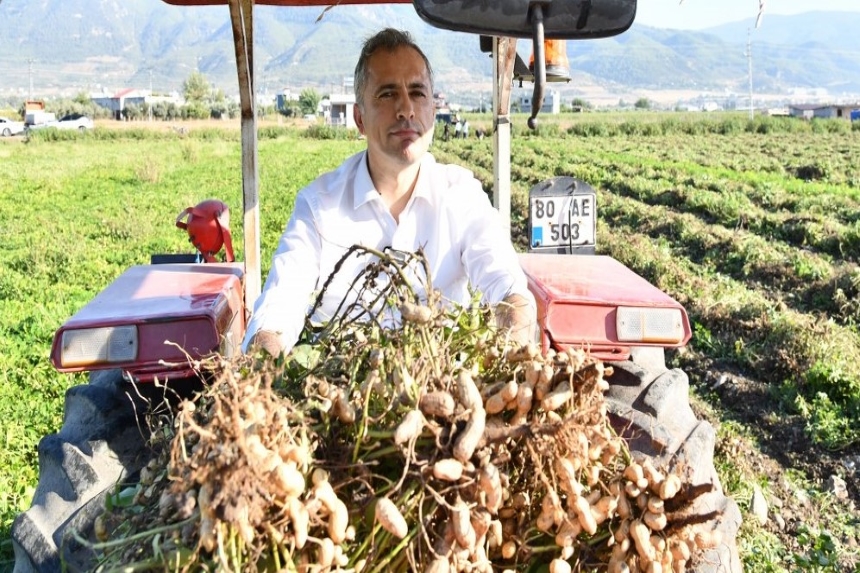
(393, 194)
(446, 131)
(457, 129)
(465, 129)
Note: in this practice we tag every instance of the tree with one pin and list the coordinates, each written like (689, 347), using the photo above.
(265, 110)
(579, 104)
(173, 111)
(83, 98)
(159, 110)
(218, 110)
(196, 88)
(195, 110)
(309, 100)
(218, 96)
(132, 112)
(290, 110)
(642, 103)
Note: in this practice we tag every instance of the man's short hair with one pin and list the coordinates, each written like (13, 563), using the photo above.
(388, 39)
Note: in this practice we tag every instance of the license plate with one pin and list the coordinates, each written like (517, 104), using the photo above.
(563, 221)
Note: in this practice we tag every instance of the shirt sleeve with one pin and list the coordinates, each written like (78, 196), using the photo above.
(489, 257)
(292, 279)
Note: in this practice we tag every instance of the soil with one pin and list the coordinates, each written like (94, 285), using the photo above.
(776, 451)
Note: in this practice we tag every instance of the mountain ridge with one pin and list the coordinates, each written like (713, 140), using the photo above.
(80, 45)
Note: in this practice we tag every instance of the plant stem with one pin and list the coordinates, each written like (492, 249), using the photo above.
(136, 537)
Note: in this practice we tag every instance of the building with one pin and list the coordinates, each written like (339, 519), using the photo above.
(825, 111)
(285, 100)
(339, 110)
(131, 96)
(551, 102)
(120, 100)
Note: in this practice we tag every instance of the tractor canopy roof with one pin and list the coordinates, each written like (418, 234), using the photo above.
(284, 2)
(568, 19)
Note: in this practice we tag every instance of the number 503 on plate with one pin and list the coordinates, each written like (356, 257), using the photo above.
(560, 221)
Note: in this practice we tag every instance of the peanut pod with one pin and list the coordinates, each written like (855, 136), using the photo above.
(410, 428)
(440, 404)
(641, 536)
(416, 313)
(490, 484)
(498, 401)
(467, 391)
(468, 440)
(560, 396)
(390, 518)
(464, 533)
(448, 469)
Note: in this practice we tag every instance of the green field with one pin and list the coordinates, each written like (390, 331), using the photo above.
(753, 226)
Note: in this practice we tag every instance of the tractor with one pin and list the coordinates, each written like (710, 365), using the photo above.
(201, 305)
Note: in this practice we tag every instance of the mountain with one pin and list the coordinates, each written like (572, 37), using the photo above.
(53, 47)
(89, 45)
(814, 49)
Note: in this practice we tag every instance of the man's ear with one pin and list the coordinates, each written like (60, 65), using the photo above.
(356, 116)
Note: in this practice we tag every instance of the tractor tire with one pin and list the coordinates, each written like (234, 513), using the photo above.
(649, 405)
(99, 444)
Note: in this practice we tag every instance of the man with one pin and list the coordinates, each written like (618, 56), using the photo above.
(395, 195)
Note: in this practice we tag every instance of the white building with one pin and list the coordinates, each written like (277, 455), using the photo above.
(118, 101)
(551, 102)
(339, 110)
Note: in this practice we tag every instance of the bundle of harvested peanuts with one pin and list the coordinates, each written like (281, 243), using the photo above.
(433, 446)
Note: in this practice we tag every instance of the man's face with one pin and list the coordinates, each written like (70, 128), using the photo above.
(397, 116)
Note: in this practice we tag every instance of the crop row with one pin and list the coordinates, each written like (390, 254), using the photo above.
(765, 263)
(824, 218)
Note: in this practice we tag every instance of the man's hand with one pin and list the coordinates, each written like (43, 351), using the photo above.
(517, 316)
(268, 341)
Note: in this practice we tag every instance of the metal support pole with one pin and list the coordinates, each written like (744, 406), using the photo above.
(241, 17)
(504, 54)
(150, 95)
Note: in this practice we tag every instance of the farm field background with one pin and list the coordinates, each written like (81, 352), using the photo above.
(753, 226)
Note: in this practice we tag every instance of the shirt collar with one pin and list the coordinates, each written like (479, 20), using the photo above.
(423, 187)
(362, 184)
(365, 192)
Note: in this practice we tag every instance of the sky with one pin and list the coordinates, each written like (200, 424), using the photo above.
(698, 14)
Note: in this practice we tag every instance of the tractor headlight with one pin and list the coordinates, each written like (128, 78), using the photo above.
(108, 344)
(638, 324)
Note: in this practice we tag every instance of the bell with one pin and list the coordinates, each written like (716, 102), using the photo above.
(557, 64)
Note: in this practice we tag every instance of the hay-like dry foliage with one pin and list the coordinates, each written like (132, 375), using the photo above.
(429, 446)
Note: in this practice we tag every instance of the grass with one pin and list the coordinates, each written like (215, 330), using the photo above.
(753, 226)
(76, 213)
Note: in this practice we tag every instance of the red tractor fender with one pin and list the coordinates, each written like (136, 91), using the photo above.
(595, 302)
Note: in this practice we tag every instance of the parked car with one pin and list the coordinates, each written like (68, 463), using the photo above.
(10, 127)
(72, 121)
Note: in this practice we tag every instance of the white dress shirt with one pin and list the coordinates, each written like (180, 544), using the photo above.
(448, 216)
